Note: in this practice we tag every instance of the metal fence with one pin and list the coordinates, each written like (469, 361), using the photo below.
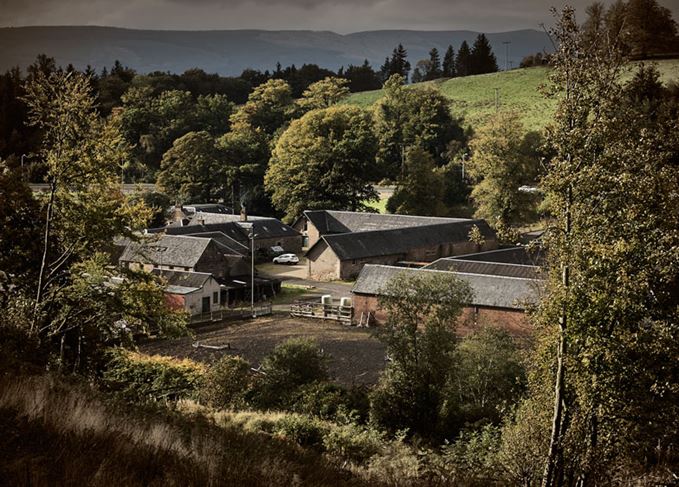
(314, 309)
(262, 309)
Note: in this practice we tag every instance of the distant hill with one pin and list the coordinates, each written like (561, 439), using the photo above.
(518, 90)
(228, 52)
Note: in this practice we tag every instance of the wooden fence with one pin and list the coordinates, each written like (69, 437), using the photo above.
(262, 309)
(314, 309)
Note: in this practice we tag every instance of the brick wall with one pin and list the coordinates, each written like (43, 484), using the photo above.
(513, 321)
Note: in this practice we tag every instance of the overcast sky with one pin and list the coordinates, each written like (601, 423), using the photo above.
(341, 16)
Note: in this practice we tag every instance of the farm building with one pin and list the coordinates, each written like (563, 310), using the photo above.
(341, 243)
(194, 292)
(269, 232)
(185, 253)
(501, 293)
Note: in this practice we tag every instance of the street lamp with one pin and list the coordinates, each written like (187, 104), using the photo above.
(251, 236)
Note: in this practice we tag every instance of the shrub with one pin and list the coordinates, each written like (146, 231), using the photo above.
(354, 443)
(226, 383)
(291, 365)
(139, 378)
(303, 430)
(331, 401)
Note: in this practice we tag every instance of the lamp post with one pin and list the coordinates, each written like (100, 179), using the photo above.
(251, 236)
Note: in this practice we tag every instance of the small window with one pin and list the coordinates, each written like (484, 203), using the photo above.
(171, 267)
(187, 269)
(215, 297)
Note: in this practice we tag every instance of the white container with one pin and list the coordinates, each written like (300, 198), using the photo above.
(326, 299)
(345, 302)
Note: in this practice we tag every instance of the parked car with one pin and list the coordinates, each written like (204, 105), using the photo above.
(286, 259)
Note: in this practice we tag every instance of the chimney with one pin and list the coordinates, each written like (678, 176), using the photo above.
(243, 214)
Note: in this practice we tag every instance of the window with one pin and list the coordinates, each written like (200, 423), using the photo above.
(187, 269)
(171, 267)
(215, 297)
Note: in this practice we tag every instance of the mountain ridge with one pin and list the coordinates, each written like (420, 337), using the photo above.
(228, 52)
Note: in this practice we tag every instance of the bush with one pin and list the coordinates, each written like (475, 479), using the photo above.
(303, 430)
(354, 443)
(291, 365)
(226, 383)
(138, 378)
(331, 401)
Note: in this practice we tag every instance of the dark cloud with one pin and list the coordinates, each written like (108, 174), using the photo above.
(338, 15)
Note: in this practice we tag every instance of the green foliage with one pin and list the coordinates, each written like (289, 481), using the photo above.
(489, 376)
(611, 296)
(324, 160)
(303, 430)
(291, 365)
(332, 402)
(139, 378)
(226, 383)
(420, 188)
(504, 159)
(422, 311)
(192, 170)
(354, 443)
(481, 58)
(268, 108)
(323, 94)
(79, 303)
(411, 117)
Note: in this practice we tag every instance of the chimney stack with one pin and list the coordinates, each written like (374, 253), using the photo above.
(243, 214)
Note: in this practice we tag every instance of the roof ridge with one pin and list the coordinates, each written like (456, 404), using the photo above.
(454, 259)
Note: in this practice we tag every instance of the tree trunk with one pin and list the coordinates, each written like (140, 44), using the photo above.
(551, 474)
(43, 264)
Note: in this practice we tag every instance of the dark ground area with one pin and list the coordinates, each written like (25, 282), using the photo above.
(356, 357)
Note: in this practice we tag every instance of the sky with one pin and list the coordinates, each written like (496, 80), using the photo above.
(342, 16)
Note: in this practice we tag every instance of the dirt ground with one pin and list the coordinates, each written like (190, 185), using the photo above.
(356, 357)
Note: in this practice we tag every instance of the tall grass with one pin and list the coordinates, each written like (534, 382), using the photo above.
(56, 433)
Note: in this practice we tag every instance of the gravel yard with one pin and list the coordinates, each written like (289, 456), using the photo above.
(356, 357)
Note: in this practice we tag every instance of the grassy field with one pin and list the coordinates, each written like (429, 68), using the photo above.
(473, 97)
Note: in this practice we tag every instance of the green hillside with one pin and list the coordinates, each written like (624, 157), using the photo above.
(473, 97)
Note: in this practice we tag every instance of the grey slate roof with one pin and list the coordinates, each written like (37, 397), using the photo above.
(487, 268)
(491, 291)
(214, 217)
(264, 228)
(230, 229)
(512, 255)
(225, 242)
(329, 221)
(181, 251)
(359, 245)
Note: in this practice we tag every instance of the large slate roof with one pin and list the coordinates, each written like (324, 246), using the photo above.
(491, 291)
(359, 245)
(232, 227)
(329, 221)
(182, 251)
(512, 255)
(225, 242)
(487, 268)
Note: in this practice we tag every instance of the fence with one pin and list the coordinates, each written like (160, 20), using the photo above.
(262, 309)
(313, 309)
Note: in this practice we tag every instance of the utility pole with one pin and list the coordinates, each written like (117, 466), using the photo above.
(506, 43)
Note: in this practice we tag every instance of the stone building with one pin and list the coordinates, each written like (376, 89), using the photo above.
(502, 292)
(341, 243)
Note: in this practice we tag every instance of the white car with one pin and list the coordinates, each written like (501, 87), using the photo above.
(286, 259)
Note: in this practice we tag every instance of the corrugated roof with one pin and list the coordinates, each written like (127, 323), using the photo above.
(359, 245)
(186, 279)
(330, 221)
(182, 251)
(487, 268)
(491, 291)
